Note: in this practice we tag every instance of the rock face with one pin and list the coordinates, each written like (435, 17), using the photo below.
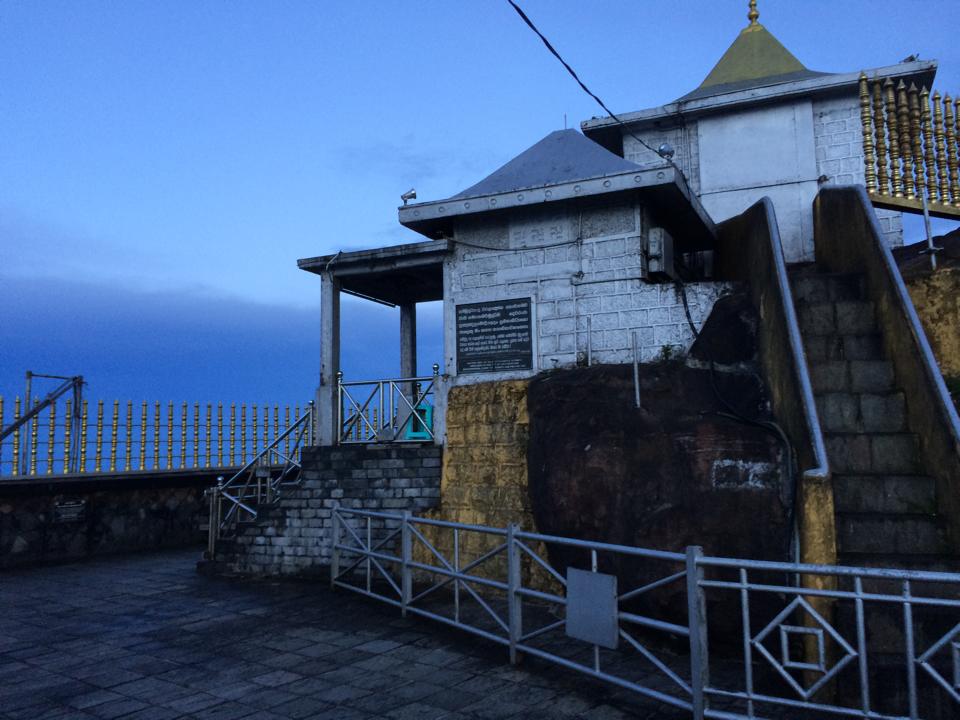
(678, 471)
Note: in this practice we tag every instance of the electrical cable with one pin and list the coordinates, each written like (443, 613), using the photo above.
(588, 91)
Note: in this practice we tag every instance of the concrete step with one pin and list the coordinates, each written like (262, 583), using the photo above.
(912, 494)
(890, 534)
(856, 376)
(819, 288)
(844, 347)
(844, 317)
(862, 412)
(872, 454)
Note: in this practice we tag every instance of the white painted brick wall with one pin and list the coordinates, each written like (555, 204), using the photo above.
(838, 137)
(684, 141)
(585, 294)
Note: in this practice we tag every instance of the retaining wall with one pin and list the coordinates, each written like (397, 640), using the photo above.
(47, 520)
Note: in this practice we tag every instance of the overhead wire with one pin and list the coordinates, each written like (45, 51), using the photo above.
(573, 73)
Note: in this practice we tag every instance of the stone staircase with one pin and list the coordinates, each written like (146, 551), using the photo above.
(292, 536)
(886, 508)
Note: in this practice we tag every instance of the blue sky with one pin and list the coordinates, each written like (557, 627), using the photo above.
(164, 164)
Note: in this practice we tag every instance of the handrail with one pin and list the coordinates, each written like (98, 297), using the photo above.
(751, 250)
(390, 412)
(849, 239)
(753, 264)
(258, 487)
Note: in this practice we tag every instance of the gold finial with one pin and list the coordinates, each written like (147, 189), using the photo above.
(196, 435)
(754, 15)
(156, 435)
(15, 468)
(220, 434)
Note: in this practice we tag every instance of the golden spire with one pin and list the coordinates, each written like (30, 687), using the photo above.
(754, 15)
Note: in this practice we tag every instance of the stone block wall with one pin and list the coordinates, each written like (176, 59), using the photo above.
(294, 536)
(683, 138)
(838, 135)
(118, 515)
(582, 271)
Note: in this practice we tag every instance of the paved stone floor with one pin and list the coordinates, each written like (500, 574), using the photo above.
(145, 636)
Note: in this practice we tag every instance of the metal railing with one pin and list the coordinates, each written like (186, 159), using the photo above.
(259, 482)
(380, 411)
(100, 437)
(577, 613)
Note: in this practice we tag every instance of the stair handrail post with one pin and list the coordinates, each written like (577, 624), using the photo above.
(213, 524)
(697, 623)
(406, 557)
(334, 542)
(312, 423)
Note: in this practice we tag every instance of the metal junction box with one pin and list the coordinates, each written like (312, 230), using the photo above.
(659, 252)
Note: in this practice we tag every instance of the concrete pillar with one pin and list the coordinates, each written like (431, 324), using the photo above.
(408, 340)
(327, 399)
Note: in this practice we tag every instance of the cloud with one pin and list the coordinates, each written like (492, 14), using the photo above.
(186, 346)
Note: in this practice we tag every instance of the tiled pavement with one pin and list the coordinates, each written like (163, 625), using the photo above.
(146, 637)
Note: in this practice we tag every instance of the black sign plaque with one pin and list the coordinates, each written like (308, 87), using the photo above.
(69, 511)
(494, 336)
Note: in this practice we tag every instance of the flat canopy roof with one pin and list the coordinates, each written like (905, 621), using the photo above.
(395, 275)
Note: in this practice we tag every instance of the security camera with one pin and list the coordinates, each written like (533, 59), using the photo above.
(410, 194)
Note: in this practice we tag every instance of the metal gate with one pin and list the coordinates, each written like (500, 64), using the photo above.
(806, 637)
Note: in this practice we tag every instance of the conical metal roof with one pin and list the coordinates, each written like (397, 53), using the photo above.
(562, 156)
(755, 58)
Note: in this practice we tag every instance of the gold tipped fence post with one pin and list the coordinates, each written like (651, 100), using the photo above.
(955, 154)
(893, 137)
(952, 150)
(880, 135)
(256, 426)
(243, 434)
(919, 180)
(266, 429)
(906, 149)
(233, 434)
(208, 424)
(929, 156)
(113, 435)
(276, 422)
(196, 434)
(143, 435)
(170, 424)
(34, 427)
(866, 120)
(83, 437)
(219, 434)
(67, 439)
(15, 466)
(128, 437)
(286, 426)
(156, 435)
(941, 147)
(51, 437)
(183, 436)
(98, 446)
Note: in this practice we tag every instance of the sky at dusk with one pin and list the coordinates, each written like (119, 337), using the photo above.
(164, 164)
